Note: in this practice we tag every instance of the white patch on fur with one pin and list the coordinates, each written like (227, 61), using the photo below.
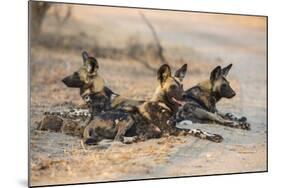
(207, 134)
(112, 97)
(177, 79)
(185, 122)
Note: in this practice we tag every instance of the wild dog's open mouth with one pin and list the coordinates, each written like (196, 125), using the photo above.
(180, 103)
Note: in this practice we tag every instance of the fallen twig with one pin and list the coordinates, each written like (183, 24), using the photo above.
(83, 146)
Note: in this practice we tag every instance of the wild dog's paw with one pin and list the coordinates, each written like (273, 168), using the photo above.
(242, 119)
(129, 140)
(215, 138)
(245, 125)
(209, 136)
(233, 117)
(240, 125)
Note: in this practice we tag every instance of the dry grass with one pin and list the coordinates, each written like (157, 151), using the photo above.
(108, 161)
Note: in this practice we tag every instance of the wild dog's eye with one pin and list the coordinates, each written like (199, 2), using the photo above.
(172, 87)
(224, 85)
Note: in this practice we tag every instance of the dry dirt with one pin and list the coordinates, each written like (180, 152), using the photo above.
(201, 40)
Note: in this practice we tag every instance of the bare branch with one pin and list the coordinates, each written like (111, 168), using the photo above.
(156, 38)
(62, 19)
(38, 12)
(146, 64)
(83, 146)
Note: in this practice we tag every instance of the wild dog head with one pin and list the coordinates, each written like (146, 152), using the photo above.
(86, 78)
(170, 87)
(91, 85)
(220, 86)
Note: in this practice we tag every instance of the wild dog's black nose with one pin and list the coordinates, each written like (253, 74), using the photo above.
(233, 94)
(64, 80)
(68, 81)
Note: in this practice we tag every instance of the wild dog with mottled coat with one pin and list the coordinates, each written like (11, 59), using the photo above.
(201, 101)
(152, 119)
(92, 87)
(97, 96)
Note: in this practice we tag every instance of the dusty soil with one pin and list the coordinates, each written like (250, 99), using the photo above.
(201, 40)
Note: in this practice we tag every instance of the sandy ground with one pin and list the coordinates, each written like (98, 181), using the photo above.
(201, 40)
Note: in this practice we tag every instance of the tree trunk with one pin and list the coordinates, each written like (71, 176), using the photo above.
(37, 14)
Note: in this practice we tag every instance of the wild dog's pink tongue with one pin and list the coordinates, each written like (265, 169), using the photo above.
(180, 103)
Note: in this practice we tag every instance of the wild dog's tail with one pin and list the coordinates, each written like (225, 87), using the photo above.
(199, 134)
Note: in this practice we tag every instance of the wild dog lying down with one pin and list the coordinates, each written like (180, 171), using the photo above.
(201, 101)
(92, 87)
(152, 119)
(96, 95)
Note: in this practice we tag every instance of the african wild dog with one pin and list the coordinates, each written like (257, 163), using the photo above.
(97, 96)
(201, 101)
(152, 119)
(92, 87)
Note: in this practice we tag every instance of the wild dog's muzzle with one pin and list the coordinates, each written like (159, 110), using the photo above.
(73, 81)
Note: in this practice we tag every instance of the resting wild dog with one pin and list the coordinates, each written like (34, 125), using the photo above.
(97, 96)
(92, 87)
(152, 119)
(201, 101)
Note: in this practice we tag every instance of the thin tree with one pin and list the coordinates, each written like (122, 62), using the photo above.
(38, 12)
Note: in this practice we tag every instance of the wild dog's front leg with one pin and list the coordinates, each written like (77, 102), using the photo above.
(122, 127)
(231, 116)
(205, 115)
(198, 133)
(147, 132)
(130, 140)
(98, 129)
(90, 136)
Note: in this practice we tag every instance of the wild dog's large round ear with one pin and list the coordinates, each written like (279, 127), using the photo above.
(216, 73)
(163, 73)
(85, 56)
(226, 69)
(92, 65)
(181, 72)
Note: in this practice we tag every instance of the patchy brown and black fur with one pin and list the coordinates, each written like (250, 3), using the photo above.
(201, 101)
(63, 125)
(98, 98)
(96, 95)
(152, 119)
